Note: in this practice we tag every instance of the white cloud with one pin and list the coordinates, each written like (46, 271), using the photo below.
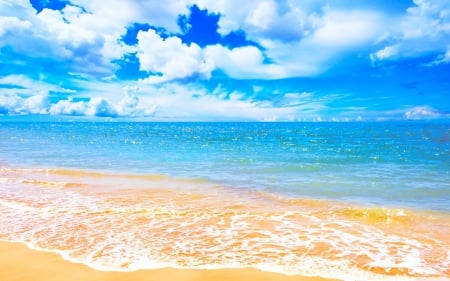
(320, 41)
(297, 38)
(233, 13)
(68, 107)
(170, 101)
(277, 19)
(116, 14)
(15, 8)
(427, 19)
(292, 99)
(9, 104)
(263, 15)
(85, 34)
(385, 53)
(129, 106)
(422, 112)
(243, 62)
(12, 25)
(14, 104)
(63, 30)
(442, 59)
(101, 107)
(347, 28)
(319, 34)
(50, 35)
(132, 106)
(26, 86)
(305, 38)
(94, 107)
(176, 102)
(290, 35)
(423, 30)
(36, 104)
(170, 58)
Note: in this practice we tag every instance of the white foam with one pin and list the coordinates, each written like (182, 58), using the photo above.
(115, 231)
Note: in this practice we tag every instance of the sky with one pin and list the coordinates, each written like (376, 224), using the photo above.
(218, 60)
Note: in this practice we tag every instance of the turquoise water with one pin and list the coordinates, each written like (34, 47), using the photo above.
(385, 164)
(351, 201)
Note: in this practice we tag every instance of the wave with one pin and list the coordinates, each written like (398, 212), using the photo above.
(127, 222)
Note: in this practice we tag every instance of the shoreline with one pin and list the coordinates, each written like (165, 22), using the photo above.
(20, 263)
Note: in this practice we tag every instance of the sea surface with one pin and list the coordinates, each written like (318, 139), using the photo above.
(354, 201)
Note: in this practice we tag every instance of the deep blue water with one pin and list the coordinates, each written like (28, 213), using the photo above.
(386, 164)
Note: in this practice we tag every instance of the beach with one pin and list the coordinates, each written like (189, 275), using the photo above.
(224, 202)
(19, 263)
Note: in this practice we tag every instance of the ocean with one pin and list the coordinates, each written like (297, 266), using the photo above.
(353, 201)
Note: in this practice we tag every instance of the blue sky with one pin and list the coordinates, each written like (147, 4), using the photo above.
(207, 60)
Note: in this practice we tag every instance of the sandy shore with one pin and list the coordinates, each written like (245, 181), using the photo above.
(19, 263)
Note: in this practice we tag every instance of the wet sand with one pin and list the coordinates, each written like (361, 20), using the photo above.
(19, 263)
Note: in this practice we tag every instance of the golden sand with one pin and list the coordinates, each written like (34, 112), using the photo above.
(19, 263)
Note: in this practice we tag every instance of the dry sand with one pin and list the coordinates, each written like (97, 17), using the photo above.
(19, 263)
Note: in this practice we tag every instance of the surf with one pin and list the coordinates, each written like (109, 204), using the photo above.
(126, 222)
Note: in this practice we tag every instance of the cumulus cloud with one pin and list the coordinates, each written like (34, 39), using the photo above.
(69, 107)
(12, 24)
(297, 38)
(285, 38)
(427, 19)
(84, 34)
(336, 33)
(116, 14)
(423, 30)
(263, 15)
(316, 34)
(129, 106)
(278, 20)
(18, 8)
(22, 95)
(177, 102)
(53, 36)
(171, 102)
(170, 58)
(243, 62)
(94, 107)
(9, 104)
(14, 104)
